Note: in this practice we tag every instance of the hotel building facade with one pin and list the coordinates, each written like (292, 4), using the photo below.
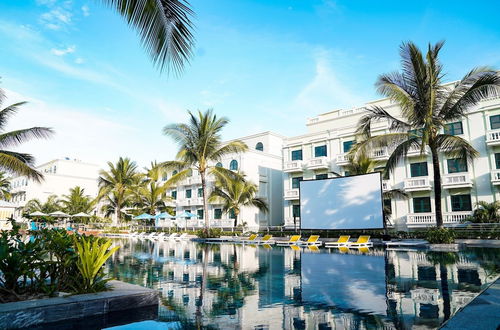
(323, 151)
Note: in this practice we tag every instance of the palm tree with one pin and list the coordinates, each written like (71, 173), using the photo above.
(151, 195)
(234, 192)
(201, 146)
(487, 212)
(4, 187)
(52, 204)
(165, 28)
(21, 164)
(76, 201)
(426, 106)
(116, 187)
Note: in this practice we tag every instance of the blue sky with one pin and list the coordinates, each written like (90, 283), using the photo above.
(267, 65)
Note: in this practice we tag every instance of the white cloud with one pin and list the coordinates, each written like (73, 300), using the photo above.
(324, 187)
(56, 18)
(79, 60)
(331, 211)
(64, 51)
(359, 189)
(86, 10)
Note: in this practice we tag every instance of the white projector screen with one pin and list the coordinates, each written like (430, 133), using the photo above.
(352, 202)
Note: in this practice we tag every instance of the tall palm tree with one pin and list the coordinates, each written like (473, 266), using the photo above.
(52, 204)
(21, 164)
(151, 195)
(116, 187)
(426, 106)
(165, 28)
(234, 192)
(76, 201)
(200, 147)
(4, 187)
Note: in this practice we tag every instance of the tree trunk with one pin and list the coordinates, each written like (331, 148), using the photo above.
(205, 200)
(235, 220)
(437, 186)
(445, 291)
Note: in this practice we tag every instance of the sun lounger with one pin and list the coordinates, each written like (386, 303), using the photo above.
(133, 234)
(342, 241)
(171, 236)
(142, 235)
(153, 235)
(295, 247)
(267, 239)
(362, 241)
(313, 248)
(160, 236)
(249, 239)
(292, 241)
(181, 237)
(312, 240)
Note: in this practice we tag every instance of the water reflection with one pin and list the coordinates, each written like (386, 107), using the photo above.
(264, 287)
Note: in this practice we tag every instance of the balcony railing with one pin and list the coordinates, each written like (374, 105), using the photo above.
(192, 180)
(293, 166)
(495, 177)
(291, 194)
(415, 151)
(493, 137)
(380, 154)
(386, 185)
(429, 219)
(456, 180)
(343, 159)
(417, 184)
(316, 163)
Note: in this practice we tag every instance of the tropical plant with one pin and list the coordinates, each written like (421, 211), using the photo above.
(151, 194)
(116, 187)
(52, 204)
(234, 192)
(92, 254)
(436, 235)
(21, 164)
(76, 201)
(165, 28)
(486, 212)
(4, 187)
(427, 105)
(200, 147)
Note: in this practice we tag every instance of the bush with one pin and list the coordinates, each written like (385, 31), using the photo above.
(436, 235)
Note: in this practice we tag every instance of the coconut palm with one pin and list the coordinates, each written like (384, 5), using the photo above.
(116, 187)
(76, 201)
(165, 28)
(151, 195)
(4, 187)
(21, 164)
(200, 147)
(486, 212)
(52, 204)
(426, 107)
(234, 192)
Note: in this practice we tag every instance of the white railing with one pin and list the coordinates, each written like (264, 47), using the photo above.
(415, 151)
(343, 159)
(295, 165)
(493, 137)
(381, 153)
(386, 185)
(429, 219)
(222, 223)
(495, 176)
(456, 217)
(418, 183)
(193, 180)
(289, 222)
(320, 162)
(292, 193)
(456, 179)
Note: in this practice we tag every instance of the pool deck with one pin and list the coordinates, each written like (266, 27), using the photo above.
(483, 312)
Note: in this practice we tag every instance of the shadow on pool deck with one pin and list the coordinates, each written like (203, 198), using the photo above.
(481, 313)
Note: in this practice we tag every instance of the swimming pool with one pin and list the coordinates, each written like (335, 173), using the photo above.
(231, 286)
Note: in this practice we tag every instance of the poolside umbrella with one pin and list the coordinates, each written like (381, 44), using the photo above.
(38, 214)
(59, 214)
(163, 215)
(82, 215)
(144, 216)
(186, 214)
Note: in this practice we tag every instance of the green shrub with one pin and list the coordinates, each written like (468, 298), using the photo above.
(436, 235)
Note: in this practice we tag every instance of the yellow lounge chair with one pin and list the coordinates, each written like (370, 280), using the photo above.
(267, 239)
(312, 240)
(363, 249)
(313, 248)
(295, 247)
(362, 241)
(342, 241)
(343, 249)
(250, 238)
(293, 240)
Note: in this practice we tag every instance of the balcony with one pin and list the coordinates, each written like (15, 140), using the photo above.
(415, 152)
(386, 185)
(343, 159)
(417, 184)
(380, 154)
(456, 180)
(293, 166)
(429, 219)
(194, 180)
(291, 194)
(190, 201)
(495, 177)
(493, 137)
(318, 163)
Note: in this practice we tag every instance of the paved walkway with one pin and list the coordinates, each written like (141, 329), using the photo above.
(481, 313)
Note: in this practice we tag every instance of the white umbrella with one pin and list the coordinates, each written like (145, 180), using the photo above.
(82, 215)
(38, 214)
(59, 214)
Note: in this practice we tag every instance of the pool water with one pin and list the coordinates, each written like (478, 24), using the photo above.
(228, 286)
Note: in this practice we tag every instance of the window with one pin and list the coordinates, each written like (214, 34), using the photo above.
(259, 146)
(497, 161)
(348, 145)
(454, 128)
(200, 213)
(200, 192)
(321, 176)
(188, 193)
(296, 182)
(418, 169)
(218, 165)
(232, 215)
(217, 213)
(421, 204)
(297, 154)
(165, 177)
(347, 173)
(495, 122)
(461, 203)
(320, 151)
(55, 169)
(174, 173)
(457, 165)
(174, 194)
(416, 132)
(233, 166)
(296, 211)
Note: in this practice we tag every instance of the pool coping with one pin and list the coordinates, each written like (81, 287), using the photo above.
(30, 313)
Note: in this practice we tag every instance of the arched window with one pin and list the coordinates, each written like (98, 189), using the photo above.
(233, 166)
(174, 173)
(218, 164)
(165, 177)
(259, 146)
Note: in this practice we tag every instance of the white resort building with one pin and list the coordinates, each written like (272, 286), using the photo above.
(331, 135)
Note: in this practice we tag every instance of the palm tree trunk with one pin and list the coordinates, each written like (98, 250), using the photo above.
(437, 186)
(235, 220)
(445, 291)
(205, 199)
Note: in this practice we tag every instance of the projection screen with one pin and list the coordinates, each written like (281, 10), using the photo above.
(352, 202)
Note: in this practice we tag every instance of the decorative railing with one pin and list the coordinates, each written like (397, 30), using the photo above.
(343, 158)
(493, 136)
(386, 185)
(421, 182)
(295, 165)
(318, 162)
(456, 179)
(495, 176)
(430, 218)
(292, 193)
(380, 153)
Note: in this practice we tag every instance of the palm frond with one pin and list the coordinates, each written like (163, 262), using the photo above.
(20, 164)
(400, 152)
(456, 147)
(7, 112)
(376, 114)
(15, 138)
